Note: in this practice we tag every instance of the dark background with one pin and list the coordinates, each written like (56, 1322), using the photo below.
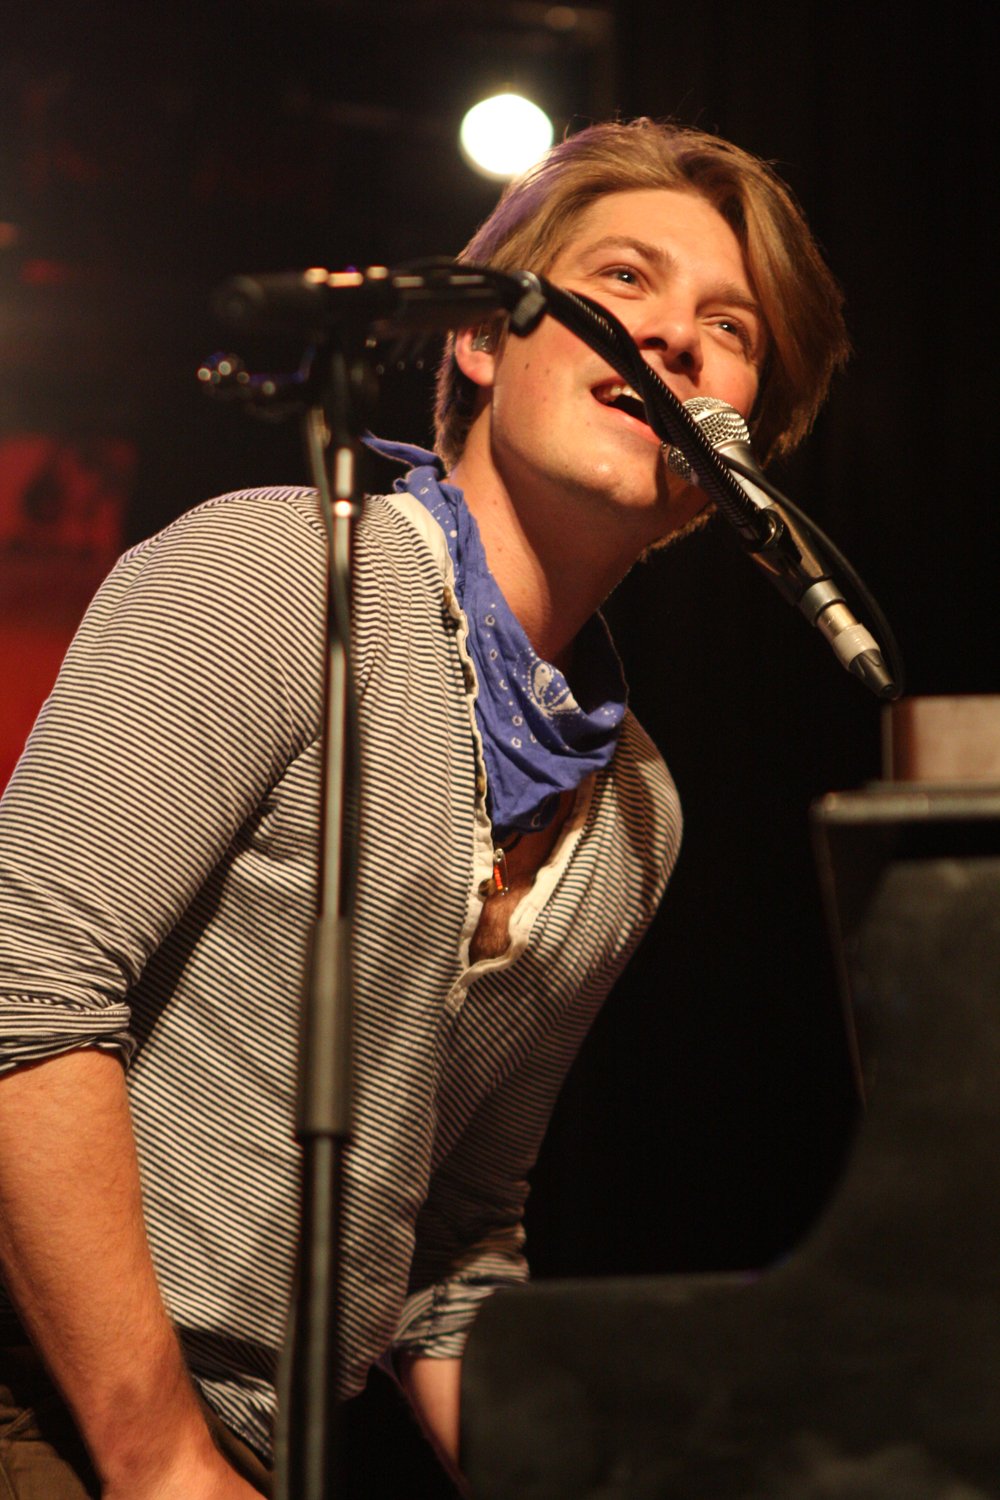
(148, 152)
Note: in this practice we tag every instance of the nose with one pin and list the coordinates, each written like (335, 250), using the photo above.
(673, 336)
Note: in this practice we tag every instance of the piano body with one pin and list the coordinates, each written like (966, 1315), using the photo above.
(868, 1364)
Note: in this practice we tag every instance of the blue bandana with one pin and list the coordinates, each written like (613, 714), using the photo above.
(538, 739)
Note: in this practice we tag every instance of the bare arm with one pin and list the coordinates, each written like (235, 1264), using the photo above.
(434, 1388)
(74, 1256)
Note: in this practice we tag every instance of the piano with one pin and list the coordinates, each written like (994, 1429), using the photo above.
(867, 1364)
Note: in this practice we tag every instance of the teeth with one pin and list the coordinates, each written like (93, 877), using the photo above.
(610, 393)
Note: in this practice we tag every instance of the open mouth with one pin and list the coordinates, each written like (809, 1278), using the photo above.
(622, 397)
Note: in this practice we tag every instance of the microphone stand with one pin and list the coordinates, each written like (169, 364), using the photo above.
(339, 387)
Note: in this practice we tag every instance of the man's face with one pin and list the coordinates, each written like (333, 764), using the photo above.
(671, 270)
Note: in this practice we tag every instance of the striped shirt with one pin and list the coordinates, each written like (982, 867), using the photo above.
(158, 881)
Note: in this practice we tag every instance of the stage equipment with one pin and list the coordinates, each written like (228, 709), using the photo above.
(868, 1364)
(505, 135)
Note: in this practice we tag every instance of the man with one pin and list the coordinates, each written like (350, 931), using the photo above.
(157, 844)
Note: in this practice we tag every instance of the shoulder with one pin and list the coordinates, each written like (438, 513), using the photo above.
(396, 531)
(270, 543)
(252, 554)
(252, 564)
(284, 517)
(274, 519)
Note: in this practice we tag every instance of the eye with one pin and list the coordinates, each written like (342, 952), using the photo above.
(735, 329)
(623, 275)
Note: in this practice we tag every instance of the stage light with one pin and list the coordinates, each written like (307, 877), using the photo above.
(504, 135)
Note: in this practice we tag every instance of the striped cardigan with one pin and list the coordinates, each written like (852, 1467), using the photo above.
(157, 883)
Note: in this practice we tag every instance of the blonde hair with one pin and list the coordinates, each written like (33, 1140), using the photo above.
(799, 298)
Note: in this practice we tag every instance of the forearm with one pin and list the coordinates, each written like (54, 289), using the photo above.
(75, 1258)
(434, 1389)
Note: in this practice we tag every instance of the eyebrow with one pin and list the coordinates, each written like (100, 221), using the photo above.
(655, 254)
(725, 291)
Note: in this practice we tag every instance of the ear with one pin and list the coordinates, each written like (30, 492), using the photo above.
(475, 355)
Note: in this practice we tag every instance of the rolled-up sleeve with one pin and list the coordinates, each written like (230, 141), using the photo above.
(179, 703)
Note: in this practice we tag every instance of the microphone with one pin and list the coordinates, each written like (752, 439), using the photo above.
(785, 555)
(723, 429)
(425, 297)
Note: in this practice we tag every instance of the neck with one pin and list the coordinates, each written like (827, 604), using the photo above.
(554, 574)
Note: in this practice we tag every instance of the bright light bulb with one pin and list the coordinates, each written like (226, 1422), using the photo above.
(505, 135)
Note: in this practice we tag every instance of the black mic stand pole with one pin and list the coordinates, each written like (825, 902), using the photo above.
(313, 1462)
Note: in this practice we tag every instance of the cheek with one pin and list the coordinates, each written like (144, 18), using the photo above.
(751, 385)
(740, 389)
(527, 389)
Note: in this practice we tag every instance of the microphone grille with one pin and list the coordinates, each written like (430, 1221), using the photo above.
(720, 423)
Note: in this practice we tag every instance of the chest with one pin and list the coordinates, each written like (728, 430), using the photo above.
(524, 859)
